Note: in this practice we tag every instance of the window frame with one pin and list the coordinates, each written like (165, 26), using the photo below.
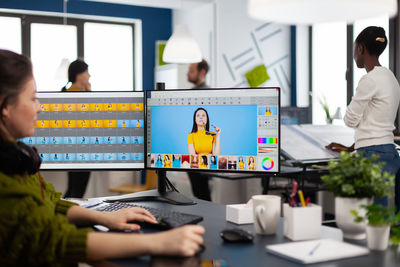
(29, 17)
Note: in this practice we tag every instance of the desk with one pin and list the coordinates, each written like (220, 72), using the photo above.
(242, 255)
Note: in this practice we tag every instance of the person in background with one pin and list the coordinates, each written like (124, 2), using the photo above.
(78, 81)
(373, 109)
(196, 75)
(37, 228)
(78, 77)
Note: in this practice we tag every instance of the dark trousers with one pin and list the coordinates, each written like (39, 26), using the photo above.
(199, 183)
(389, 155)
(77, 182)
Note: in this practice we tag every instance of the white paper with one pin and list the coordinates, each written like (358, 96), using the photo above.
(322, 250)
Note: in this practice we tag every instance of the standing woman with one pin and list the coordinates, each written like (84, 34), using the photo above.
(373, 109)
(78, 81)
(37, 228)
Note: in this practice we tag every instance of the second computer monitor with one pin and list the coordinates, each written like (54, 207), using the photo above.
(213, 130)
(90, 130)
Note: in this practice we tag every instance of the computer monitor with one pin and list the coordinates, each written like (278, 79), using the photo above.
(223, 130)
(90, 130)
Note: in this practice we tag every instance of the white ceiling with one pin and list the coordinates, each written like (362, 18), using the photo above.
(172, 4)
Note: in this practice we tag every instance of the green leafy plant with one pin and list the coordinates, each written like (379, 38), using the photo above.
(324, 105)
(356, 176)
(378, 216)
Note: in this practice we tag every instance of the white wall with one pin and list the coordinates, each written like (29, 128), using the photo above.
(233, 44)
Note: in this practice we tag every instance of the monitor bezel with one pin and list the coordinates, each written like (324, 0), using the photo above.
(108, 167)
(211, 171)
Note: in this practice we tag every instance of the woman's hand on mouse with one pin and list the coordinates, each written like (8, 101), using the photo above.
(182, 241)
(119, 220)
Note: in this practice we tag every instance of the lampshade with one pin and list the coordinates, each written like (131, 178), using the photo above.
(181, 47)
(316, 11)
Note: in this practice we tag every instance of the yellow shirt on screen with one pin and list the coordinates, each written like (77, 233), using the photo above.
(252, 166)
(167, 163)
(203, 166)
(202, 142)
(241, 165)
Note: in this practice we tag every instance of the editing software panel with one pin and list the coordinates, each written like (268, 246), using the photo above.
(90, 130)
(217, 129)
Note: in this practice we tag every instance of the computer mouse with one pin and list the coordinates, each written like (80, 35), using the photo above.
(236, 235)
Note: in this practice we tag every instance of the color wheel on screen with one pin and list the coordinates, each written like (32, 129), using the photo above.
(267, 163)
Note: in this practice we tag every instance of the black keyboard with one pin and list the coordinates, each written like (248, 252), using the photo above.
(166, 219)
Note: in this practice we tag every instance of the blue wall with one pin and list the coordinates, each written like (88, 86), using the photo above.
(156, 22)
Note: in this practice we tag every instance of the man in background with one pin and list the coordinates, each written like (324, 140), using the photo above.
(197, 74)
(199, 181)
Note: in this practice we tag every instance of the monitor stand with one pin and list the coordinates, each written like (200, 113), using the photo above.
(166, 193)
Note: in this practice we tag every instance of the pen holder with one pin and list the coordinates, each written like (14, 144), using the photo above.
(302, 223)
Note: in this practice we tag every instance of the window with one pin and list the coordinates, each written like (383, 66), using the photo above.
(108, 46)
(328, 69)
(51, 45)
(108, 50)
(10, 27)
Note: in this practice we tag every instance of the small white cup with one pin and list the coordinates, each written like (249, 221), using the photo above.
(267, 211)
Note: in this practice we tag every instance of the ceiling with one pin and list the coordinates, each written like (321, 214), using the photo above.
(172, 4)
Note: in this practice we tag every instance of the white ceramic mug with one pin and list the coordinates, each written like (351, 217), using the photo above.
(267, 211)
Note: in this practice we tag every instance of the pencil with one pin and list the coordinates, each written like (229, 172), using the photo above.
(301, 196)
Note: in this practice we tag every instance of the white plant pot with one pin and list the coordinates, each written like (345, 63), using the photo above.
(345, 221)
(378, 237)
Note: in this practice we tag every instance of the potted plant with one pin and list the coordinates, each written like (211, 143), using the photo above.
(354, 181)
(379, 219)
(324, 105)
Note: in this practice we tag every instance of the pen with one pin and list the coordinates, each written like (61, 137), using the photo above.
(307, 200)
(94, 205)
(294, 189)
(314, 249)
(301, 197)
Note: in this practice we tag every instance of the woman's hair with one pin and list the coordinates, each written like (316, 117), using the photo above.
(76, 67)
(205, 160)
(159, 157)
(207, 127)
(15, 72)
(213, 159)
(166, 157)
(374, 40)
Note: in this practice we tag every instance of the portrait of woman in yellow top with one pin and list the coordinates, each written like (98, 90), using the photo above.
(241, 163)
(167, 162)
(203, 162)
(251, 164)
(201, 140)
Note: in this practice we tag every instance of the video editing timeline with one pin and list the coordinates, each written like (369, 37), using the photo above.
(248, 120)
(96, 130)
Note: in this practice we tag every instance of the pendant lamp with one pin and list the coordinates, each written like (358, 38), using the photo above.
(317, 11)
(181, 47)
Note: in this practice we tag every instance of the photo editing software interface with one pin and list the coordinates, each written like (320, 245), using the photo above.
(90, 130)
(216, 129)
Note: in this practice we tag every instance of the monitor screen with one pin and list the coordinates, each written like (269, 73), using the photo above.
(213, 130)
(90, 130)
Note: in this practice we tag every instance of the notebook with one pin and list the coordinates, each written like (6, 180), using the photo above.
(316, 250)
